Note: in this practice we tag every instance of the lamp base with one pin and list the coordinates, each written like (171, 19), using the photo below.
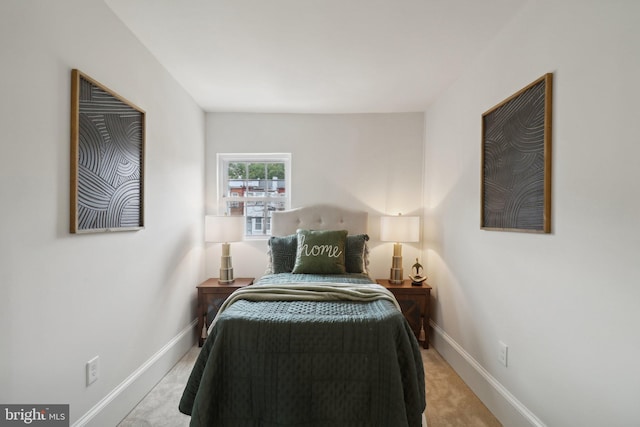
(226, 277)
(226, 270)
(396, 276)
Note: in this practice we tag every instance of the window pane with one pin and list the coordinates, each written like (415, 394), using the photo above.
(256, 171)
(278, 188)
(258, 215)
(236, 170)
(275, 170)
(235, 188)
(255, 213)
(276, 181)
(235, 208)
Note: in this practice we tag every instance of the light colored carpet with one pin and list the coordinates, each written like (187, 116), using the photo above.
(450, 403)
(159, 408)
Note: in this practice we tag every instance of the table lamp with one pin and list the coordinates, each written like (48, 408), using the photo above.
(399, 229)
(224, 229)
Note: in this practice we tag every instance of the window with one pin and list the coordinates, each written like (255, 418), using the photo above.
(254, 185)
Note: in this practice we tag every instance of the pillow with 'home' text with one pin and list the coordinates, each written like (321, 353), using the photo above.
(320, 252)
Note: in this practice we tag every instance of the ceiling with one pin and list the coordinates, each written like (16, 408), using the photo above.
(315, 56)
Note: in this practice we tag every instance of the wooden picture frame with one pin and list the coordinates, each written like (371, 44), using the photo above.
(107, 159)
(516, 161)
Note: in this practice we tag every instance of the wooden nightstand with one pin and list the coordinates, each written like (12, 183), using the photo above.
(211, 295)
(414, 301)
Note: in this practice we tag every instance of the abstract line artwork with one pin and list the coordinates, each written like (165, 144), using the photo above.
(107, 159)
(516, 161)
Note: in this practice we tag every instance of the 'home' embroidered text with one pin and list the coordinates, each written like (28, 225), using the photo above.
(331, 251)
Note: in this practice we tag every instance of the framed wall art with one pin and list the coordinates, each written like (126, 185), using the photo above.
(107, 159)
(516, 161)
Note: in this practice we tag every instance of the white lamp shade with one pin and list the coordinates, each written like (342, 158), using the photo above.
(223, 228)
(400, 229)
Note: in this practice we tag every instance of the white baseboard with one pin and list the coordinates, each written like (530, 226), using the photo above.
(506, 408)
(121, 400)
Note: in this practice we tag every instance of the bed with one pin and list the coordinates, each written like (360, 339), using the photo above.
(315, 342)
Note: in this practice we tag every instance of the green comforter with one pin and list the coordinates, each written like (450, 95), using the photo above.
(308, 355)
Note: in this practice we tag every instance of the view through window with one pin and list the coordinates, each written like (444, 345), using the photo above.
(254, 185)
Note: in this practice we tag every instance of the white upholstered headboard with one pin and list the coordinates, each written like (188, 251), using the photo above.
(318, 217)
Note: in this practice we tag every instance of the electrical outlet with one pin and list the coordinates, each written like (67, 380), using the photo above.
(502, 353)
(92, 370)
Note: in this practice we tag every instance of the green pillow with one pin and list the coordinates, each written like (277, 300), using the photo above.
(356, 253)
(283, 253)
(320, 252)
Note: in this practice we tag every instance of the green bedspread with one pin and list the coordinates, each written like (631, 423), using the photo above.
(308, 359)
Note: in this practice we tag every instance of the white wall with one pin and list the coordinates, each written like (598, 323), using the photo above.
(369, 162)
(565, 303)
(67, 298)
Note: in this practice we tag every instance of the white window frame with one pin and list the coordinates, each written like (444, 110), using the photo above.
(223, 160)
